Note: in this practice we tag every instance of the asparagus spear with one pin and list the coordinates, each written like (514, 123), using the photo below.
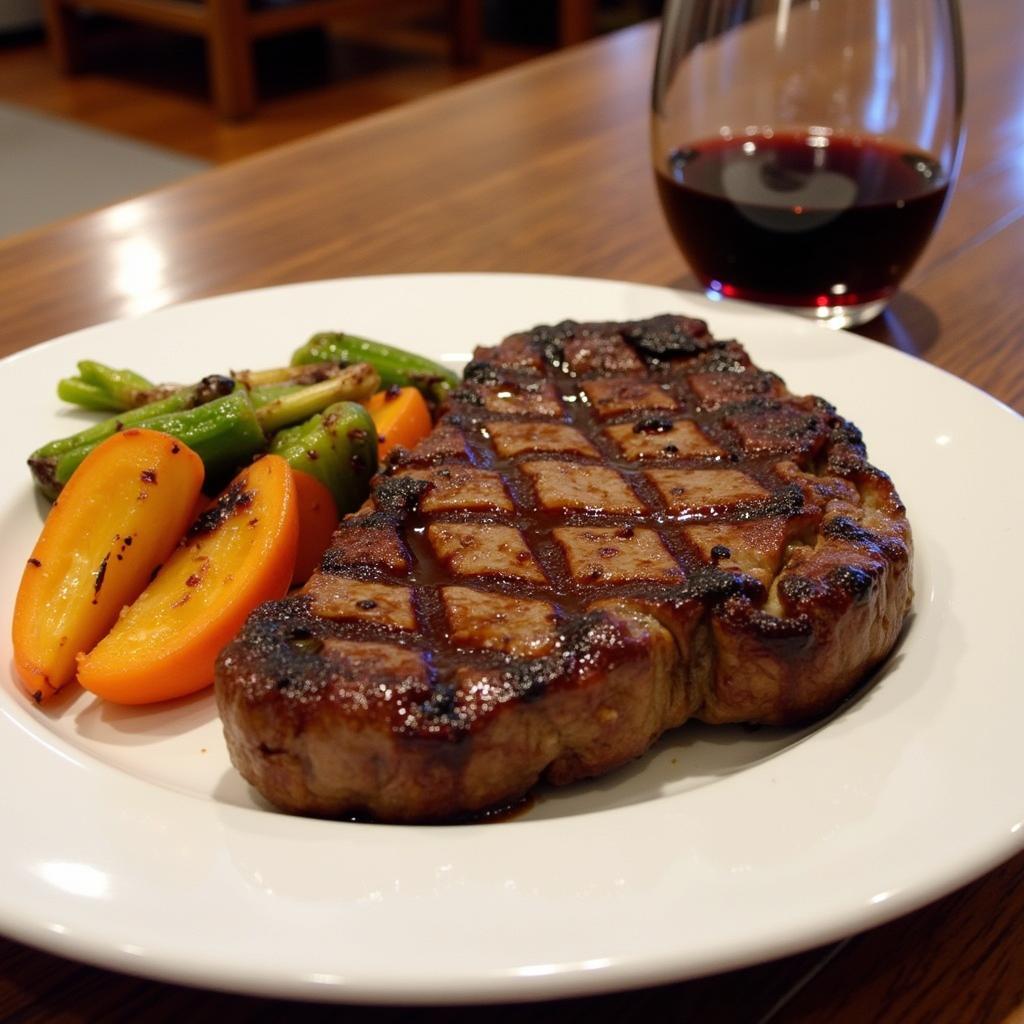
(205, 391)
(225, 432)
(354, 383)
(338, 447)
(101, 387)
(77, 391)
(267, 393)
(307, 373)
(396, 367)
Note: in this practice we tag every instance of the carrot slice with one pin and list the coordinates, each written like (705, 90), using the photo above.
(318, 516)
(401, 417)
(238, 553)
(120, 515)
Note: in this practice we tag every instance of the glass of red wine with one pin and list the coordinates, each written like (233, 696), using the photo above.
(804, 150)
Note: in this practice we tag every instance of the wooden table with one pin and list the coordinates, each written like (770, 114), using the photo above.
(545, 169)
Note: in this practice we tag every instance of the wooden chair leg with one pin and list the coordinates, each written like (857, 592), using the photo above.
(62, 31)
(576, 21)
(230, 58)
(467, 28)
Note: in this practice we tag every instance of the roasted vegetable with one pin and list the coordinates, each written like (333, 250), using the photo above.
(396, 367)
(354, 384)
(308, 373)
(239, 553)
(115, 523)
(226, 432)
(318, 516)
(205, 391)
(401, 417)
(338, 448)
(267, 393)
(102, 387)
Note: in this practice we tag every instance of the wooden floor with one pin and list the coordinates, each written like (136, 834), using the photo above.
(151, 85)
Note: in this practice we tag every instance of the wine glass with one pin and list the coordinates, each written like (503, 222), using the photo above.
(804, 150)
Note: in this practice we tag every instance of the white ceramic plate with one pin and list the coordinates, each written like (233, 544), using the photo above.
(130, 842)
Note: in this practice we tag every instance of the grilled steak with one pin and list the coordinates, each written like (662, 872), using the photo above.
(613, 528)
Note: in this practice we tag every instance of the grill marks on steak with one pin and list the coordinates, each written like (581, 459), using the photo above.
(613, 528)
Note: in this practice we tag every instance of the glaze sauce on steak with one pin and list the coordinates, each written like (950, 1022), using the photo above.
(612, 528)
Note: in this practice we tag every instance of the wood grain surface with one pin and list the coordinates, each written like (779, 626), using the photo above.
(545, 169)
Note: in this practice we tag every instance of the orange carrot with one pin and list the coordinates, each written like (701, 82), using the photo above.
(318, 516)
(238, 553)
(401, 417)
(120, 515)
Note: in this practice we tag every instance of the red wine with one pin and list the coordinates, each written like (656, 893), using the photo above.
(801, 219)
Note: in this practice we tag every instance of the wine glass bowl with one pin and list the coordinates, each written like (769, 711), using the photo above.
(804, 150)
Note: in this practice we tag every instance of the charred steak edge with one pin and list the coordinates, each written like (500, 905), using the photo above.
(613, 528)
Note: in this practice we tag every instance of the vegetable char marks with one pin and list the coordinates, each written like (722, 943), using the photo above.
(613, 528)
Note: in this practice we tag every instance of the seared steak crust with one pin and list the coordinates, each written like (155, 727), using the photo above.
(613, 528)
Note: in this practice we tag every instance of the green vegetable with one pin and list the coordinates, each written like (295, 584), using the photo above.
(205, 391)
(225, 431)
(267, 393)
(355, 383)
(338, 447)
(79, 392)
(102, 387)
(307, 373)
(396, 367)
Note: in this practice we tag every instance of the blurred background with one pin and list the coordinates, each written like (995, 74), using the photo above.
(140, 109)
(153, 85)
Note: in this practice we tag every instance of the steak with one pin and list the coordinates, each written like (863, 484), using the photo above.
(613, 528)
